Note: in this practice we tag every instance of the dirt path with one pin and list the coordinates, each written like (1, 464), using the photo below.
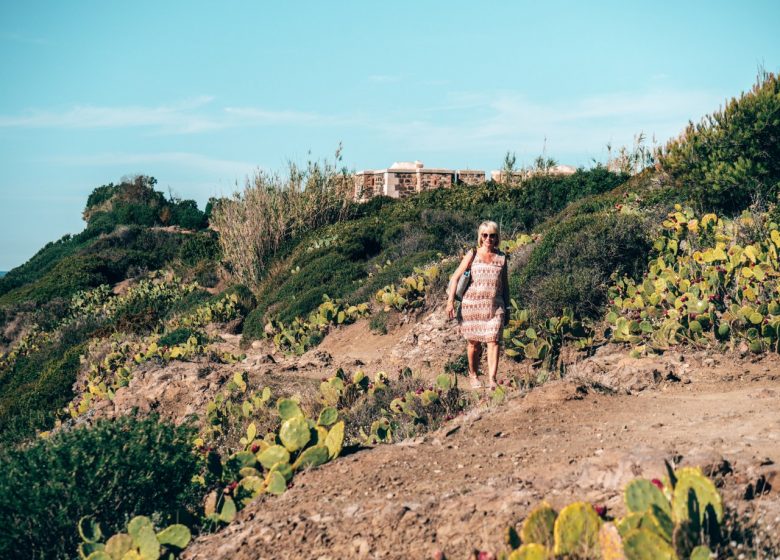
(459, 488)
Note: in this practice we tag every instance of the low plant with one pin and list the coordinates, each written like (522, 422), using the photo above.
(707, 282)
(680, 517)
(140, 540)
(113, 470)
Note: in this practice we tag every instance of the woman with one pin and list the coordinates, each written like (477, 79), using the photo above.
(483, 309)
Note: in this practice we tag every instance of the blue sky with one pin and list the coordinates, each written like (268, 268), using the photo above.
(199, 94)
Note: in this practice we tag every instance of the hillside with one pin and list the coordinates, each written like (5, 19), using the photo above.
(275, 377)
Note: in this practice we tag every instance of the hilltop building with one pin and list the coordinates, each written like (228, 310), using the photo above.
(405, 178)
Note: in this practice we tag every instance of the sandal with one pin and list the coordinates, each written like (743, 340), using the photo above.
(475, 382)
(492, 385)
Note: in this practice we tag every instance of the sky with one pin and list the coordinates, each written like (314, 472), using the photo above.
(201, 94)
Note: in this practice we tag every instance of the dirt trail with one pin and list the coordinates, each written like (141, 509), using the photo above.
(459, 488)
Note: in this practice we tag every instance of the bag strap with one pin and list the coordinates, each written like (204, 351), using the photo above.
(471, 260)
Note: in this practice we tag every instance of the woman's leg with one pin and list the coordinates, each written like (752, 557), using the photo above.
(492, 358)
(474, 352)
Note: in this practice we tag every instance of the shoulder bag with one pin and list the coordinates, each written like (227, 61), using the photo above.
(465, 279)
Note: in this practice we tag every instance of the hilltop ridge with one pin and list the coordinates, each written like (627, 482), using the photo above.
(274, 376)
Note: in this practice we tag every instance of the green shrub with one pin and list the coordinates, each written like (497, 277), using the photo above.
(253, 326)
(113, 470)
(199, 247)
(378, 322)
(733, 155)
(572, 265)
(35, 389)
(181, 336)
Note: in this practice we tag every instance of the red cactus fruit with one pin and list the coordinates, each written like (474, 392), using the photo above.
(658, 483)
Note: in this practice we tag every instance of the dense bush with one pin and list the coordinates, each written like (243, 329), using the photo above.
(113, 470)
(35, 388)
(733, 155)
(71, 266)
(572, 265)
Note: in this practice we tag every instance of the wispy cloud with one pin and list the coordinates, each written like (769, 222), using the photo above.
(189, 116)
(182, 117)
(237, 116)
(509, 120)
(187, 160)
(478, 121)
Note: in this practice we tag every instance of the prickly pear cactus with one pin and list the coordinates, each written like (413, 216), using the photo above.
(275, 483)
(640, 544)
(328, 416)
(538, 526)
(294, 434)
(335, 440)
(576, 531)
(89, 529)
(610, 543)
(640, 494)
(530, 551)
(701, 553)
(272, 455)
(312, 457)
(118, 545)
(704, 490)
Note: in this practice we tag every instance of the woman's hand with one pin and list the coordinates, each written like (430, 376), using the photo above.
(450, 309)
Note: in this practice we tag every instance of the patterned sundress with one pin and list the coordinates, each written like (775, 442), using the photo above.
(482, 308)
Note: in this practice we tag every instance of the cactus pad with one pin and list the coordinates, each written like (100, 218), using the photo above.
(576, 531)
(284, 469)
(328, 416)
(538, 526)
(640, 544)
(136, 524)
(335, 440)
(87, 548)
(294, 434)
(146, 541)
(89, 530)
(99, 555)
(228, 511)
(610, 543)
(312, 457)
(704, 490)
(288, 408)
(248, 489)
(629, 522)
(530, 551)
(272, 455)
(177, 536)
(701, 553)
(657, 521)
(118, 545)
(275, 483)
(640, 494)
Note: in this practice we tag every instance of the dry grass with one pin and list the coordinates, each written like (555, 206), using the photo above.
(274, 208)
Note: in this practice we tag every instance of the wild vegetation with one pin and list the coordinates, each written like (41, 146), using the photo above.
(682, 252)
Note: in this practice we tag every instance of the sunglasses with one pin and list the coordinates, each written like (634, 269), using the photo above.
(490, 235)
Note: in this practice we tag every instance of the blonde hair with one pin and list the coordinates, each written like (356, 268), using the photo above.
(489, 227)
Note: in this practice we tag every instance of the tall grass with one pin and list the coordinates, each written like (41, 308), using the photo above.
(274, 208)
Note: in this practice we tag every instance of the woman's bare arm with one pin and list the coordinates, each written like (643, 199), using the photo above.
(452, 286)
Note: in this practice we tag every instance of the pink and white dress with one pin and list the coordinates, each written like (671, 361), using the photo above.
(482, 308)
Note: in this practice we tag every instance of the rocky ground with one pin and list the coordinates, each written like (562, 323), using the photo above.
(610, 419)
